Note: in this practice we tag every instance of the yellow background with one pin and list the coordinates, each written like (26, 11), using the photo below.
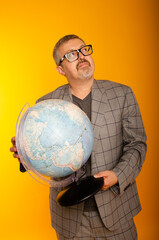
(125, 42)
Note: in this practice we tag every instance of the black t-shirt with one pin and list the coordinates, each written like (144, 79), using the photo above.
(85, 105)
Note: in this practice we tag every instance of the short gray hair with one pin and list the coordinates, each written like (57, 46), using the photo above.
(59, 43)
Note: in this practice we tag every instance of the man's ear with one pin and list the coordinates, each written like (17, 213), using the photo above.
(60, 70)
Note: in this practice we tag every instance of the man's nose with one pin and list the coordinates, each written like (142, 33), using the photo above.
(80, 55)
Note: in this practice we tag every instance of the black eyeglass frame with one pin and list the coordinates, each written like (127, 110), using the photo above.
(78, 50)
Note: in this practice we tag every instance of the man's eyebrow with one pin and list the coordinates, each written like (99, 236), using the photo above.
(70, 50)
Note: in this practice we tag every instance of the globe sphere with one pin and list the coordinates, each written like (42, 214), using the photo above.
(54, 138)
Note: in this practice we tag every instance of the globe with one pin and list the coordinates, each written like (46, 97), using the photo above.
(54, 139)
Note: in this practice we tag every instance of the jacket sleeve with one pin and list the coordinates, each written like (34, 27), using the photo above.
(134, 145)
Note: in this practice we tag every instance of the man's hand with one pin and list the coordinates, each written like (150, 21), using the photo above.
(14, 149)
(110, 178)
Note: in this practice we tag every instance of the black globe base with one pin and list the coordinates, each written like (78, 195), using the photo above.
(80, 191)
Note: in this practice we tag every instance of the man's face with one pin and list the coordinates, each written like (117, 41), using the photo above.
(82, 68)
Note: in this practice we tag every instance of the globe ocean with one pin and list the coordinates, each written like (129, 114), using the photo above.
(55, 137)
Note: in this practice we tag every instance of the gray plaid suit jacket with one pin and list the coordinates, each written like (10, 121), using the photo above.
(119, 145)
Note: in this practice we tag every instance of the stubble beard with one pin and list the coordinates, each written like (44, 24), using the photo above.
(85, 72)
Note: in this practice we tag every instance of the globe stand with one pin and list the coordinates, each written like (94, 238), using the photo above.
(53, 150)
(80, 191)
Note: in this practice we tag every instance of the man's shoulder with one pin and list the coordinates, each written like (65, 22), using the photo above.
(54, 94)
(110, 86)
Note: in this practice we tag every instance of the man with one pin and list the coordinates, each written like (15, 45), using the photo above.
(118, 152)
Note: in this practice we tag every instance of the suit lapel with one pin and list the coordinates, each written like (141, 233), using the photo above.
(66, 93)
(99, 107)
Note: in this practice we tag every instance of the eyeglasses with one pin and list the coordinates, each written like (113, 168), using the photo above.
(74, 55)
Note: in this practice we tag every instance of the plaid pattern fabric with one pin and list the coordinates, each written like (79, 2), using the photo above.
(92, 228)
(119, 145)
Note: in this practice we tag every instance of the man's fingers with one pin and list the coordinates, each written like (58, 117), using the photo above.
(98, 175)
(13, 140)
(15, 155)
(110, 178)
(13, 149)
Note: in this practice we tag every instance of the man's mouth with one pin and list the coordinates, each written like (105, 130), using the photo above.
(82, 64)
